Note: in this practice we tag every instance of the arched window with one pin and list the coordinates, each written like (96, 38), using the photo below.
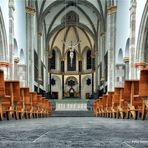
(88, 57)
(22, 57)
(120, 56)
(53, 60)
(71, 61)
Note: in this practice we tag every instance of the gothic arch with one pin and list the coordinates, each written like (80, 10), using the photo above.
(22, 57)
(84, 57)
(15, 48)
(127, 48)
(120, 56)
(3, 39)
(142, 36)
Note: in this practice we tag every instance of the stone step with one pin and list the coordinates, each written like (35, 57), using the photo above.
(72, 114)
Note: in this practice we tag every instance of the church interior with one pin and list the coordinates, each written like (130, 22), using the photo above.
(88, 57)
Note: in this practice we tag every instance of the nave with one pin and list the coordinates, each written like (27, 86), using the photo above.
(74, 132)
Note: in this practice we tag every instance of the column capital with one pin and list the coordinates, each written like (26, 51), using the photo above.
(126, 59)
(111, 10)
(39, 34)
(39, 79)
(16, 59)
(102, 33)
(4, 64)
(140, 65)
(30, 10)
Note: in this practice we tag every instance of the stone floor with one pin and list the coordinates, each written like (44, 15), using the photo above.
(74, 132)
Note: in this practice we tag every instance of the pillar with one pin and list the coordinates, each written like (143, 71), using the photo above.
(30, 12)
(80, 71)
(39, 59)
(132, 50)
(11, 38)
(110, 45)
(126, 61)
(47, 71)
(139, 66)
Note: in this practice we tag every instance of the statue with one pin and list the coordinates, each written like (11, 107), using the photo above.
(71, 48)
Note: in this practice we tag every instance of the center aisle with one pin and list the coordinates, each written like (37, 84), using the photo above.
(73, 132)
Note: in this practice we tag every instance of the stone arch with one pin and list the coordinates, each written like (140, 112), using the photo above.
(15, 53)
(3, 39)
(57, 87)
(22, 57)
(57, 58)
(120, 56)
(86, 89)
(142, 36)
(84, 55)
(126, 54)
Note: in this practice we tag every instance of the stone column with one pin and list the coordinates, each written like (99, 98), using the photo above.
(132, 50)
(126, 61)
(39, 59)
(11, 38)
(16, 61)
(30, 11)
(102, 36)
(47, 71)
(110, 45)
(62, 71)
(80, 71)
(96, 67)
(139, 66)
(103, 74)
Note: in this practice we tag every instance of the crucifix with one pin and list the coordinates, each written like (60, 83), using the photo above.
(71, 48)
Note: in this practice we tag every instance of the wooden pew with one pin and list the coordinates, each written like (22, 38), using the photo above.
(132, 99)
(100, 107)
(95, 107)
(12, 89)
(116, 102)
(40, 105)
(121, 103)
(34, 111)
(104, 105)
(109, 104)
(5, 100)
(143, 91)
(48, 108)
(24, 107)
